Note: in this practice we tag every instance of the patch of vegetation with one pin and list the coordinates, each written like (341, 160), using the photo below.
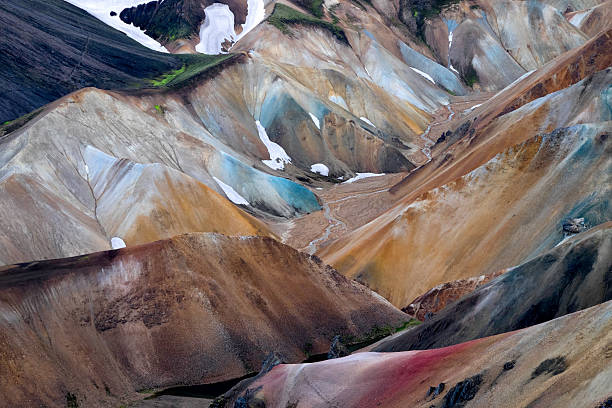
(332, 13)
(219, 402)
(471, 76)
(71, 400)
(308, 347)
(147, 391)
(283, 16)
(413, 13)
(193, 66)
(317, 8)
(12, 125)
(376, 333)
(163, 21)
(160, 109)
(166, 78)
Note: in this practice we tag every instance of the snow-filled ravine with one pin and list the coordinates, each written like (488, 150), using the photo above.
(101, 9)
(231, 194)
(315, 120)
(423, 74)
(278, 155)
(218, 25)
(366, 120)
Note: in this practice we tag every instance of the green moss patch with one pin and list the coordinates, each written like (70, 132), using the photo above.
(12, 125)
(471, 76)
(283, 16)
(194, 66)
(377, 333)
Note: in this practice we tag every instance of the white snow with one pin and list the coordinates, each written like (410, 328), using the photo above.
(468, 110)
(320, 168)
(232, 194)
(360, 176)
(366, 120)
(218, 26)
(577, 18)
(450, 43)
(102, 9)
(255, 15)
(315, 120)
(423, 74)
(278, 155)
(338, 100)
(117, 243)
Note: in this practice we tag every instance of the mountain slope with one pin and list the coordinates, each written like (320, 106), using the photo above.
(51, 48)
(498, 214)
(562, 363)
(197, 308)
(575, 275)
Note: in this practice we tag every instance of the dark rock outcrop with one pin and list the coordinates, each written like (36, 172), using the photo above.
(170, 20)
(433, 392)
(463, 392)
(337, 349)
(553, 366)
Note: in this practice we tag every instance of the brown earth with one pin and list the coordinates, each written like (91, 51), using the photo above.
(197, 308)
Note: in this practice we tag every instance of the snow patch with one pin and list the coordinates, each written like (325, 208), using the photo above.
(360, 176)
(320, 168)
(338, 100)
(218, 27)
(577, 18)
(278, 155)
(117, 243)
(102, 9)
(315, 120)
(453, 69)
(231, 194)
(468, 110)
(366, 120)
(423, 74)
(255, 15)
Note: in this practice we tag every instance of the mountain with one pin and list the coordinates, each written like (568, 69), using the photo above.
(459, 224)
(51, 48)
(196, 308)
(529, 367)
(201, 201)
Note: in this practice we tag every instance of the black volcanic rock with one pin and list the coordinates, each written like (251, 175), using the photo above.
(51, 48)
(572, 276)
